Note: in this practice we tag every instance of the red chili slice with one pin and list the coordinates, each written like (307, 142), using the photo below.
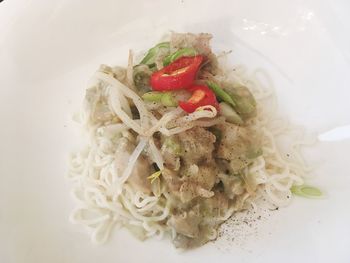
(177, 75)
(201, 96)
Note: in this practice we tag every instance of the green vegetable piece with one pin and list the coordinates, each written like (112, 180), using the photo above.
(180, 53)
(229, 113)
(306, 191)
(149, 59)
(221, 94)
(245, 102)
(168, 100)
(165, 98)
(173, 146)
(155, 96)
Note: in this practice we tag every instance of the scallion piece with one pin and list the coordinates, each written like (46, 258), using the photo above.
(220, 93)
(165, 98)
(230, 114)
(306, 191)
(180, 53)
(149, 59)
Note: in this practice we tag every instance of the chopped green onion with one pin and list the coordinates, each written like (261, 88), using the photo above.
(154, 176)
(153, 96)
(306, 191)
(165, 98)
(180, 53)
(149, 59)
(230, 114)
(168, 100)
(220, 93)
(244, 100)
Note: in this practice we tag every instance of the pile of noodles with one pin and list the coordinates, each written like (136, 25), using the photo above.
(100, 171)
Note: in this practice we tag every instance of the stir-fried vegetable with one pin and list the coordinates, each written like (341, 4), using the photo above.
(188, 52)
(229, 113)
(178, 75)
(306, 191)
(151, 55)
(165, 98)
(221, 94)
(201, 96)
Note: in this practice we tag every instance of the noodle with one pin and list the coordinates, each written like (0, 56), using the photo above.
(132, 160)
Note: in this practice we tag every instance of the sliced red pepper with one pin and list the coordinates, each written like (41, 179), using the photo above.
(177, 75)
(201, 96)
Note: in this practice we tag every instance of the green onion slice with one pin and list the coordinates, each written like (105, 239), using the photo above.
(306, 191)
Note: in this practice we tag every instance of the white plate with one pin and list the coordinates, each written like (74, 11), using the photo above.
(49, 49)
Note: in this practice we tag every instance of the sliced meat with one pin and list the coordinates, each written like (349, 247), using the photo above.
(215, 206)
(198, 172)
(138, 178)
(182, 241)
(171, 161)
(186, 223)
(206, 175)
(197, 145)
(172, 180)
(190, 190)
(210, 208)
(198, 181)
(171, 151)
(189, 187)
(236, 145)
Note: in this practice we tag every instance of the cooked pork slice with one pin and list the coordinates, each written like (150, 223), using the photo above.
(172, 180)
(197, 145)
(198, 181)
(186, 223)
(216, 206)
(238, 145)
